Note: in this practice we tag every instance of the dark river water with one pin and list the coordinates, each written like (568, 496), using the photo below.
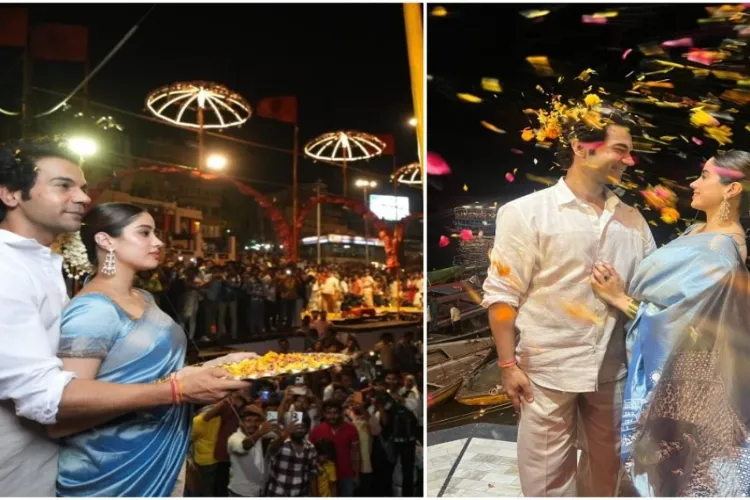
(454, 414)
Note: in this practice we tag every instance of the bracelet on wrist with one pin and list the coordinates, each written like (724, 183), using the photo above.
(507, 364)
(633, 306)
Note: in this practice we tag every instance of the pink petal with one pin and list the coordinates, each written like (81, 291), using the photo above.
(466, 235)
(592, 145)
(697, 141)
(444, 241)
(509, 177)
(594, 20)
(626, 53)
(727, 172)
(436, 165)
(680, 42)
(516, 151)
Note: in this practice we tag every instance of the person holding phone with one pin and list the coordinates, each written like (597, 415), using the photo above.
(294, 463)
(248, 452)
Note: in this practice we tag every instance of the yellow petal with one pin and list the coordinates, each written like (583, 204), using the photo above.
(491, 85)
(469, 98)
(490, 126)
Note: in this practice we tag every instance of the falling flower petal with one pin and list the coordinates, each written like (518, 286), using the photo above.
(680, 42)
(534, 14)
(581, 312)
(439, 11)
(593, 20)
(510, 177)
(626, 53)
(516, 151)
(491, 85)
(466, 188)
(436, 165)
(669, 215)
(444, 241)
(696, 140)
(490, 126)
(467, 235)
(527, 134)
(469, 98)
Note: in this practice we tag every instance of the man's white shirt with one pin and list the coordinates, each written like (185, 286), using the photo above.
(546, 245)
(32, 298)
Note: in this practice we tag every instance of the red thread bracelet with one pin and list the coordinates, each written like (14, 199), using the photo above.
(507, 364)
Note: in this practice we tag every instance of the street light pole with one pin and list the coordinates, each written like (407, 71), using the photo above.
(367, 240)
(318, 223)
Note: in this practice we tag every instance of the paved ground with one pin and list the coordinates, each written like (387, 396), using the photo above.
(473, 467)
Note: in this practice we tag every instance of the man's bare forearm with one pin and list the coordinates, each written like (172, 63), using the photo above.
(503, 328)
(86, 398)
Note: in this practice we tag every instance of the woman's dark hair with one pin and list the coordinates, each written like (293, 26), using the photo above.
(736, 161)
(18, 164)
(110, 218)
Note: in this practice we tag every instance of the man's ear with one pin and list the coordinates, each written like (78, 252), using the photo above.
(578, 148)
(9, 198)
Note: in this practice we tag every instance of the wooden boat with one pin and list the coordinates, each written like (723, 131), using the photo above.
(448, 351)
(484, 387)
(445, 378)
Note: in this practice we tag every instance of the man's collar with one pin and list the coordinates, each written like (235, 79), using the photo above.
(564, 196)
(15, 240)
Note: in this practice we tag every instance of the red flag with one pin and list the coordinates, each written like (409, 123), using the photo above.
(278, 108)
(60, 42)
(390, 143)
(14, 25)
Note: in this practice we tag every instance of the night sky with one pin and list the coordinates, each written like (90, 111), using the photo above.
(478, 41)
(347, 65)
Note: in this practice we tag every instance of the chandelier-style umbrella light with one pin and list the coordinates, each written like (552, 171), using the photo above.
(344, 146)
(409, 175)
(199, 105)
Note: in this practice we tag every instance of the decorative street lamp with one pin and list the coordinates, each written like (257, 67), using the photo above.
(344, 146)
(82, 146)
(199, 105)
(409, 175)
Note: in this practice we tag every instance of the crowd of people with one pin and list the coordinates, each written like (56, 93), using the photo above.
(354, 430)
(263, 294)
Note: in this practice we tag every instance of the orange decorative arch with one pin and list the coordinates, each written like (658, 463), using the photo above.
(281, 225)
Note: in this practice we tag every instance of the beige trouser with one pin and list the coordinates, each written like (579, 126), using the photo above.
(550, 429)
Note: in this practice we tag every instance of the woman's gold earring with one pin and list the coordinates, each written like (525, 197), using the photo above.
(724, 211)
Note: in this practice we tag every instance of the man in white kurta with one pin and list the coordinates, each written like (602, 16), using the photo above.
(567, 372)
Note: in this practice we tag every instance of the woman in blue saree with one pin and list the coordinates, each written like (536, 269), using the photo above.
(115, 333)
(686, 409)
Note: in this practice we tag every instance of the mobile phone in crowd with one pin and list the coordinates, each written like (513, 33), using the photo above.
(264, 394)
(300, 380)
(272, 416)
(297, 417)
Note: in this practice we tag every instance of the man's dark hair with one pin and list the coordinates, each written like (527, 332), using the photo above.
(336, 405)
(327, 448)
(589, 134)
(18, 164)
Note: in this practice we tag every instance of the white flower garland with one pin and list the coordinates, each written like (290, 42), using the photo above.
(75, 261)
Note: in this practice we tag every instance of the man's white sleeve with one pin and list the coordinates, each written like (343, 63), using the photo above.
(30, 373)
(513, 257)
(234, 444)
